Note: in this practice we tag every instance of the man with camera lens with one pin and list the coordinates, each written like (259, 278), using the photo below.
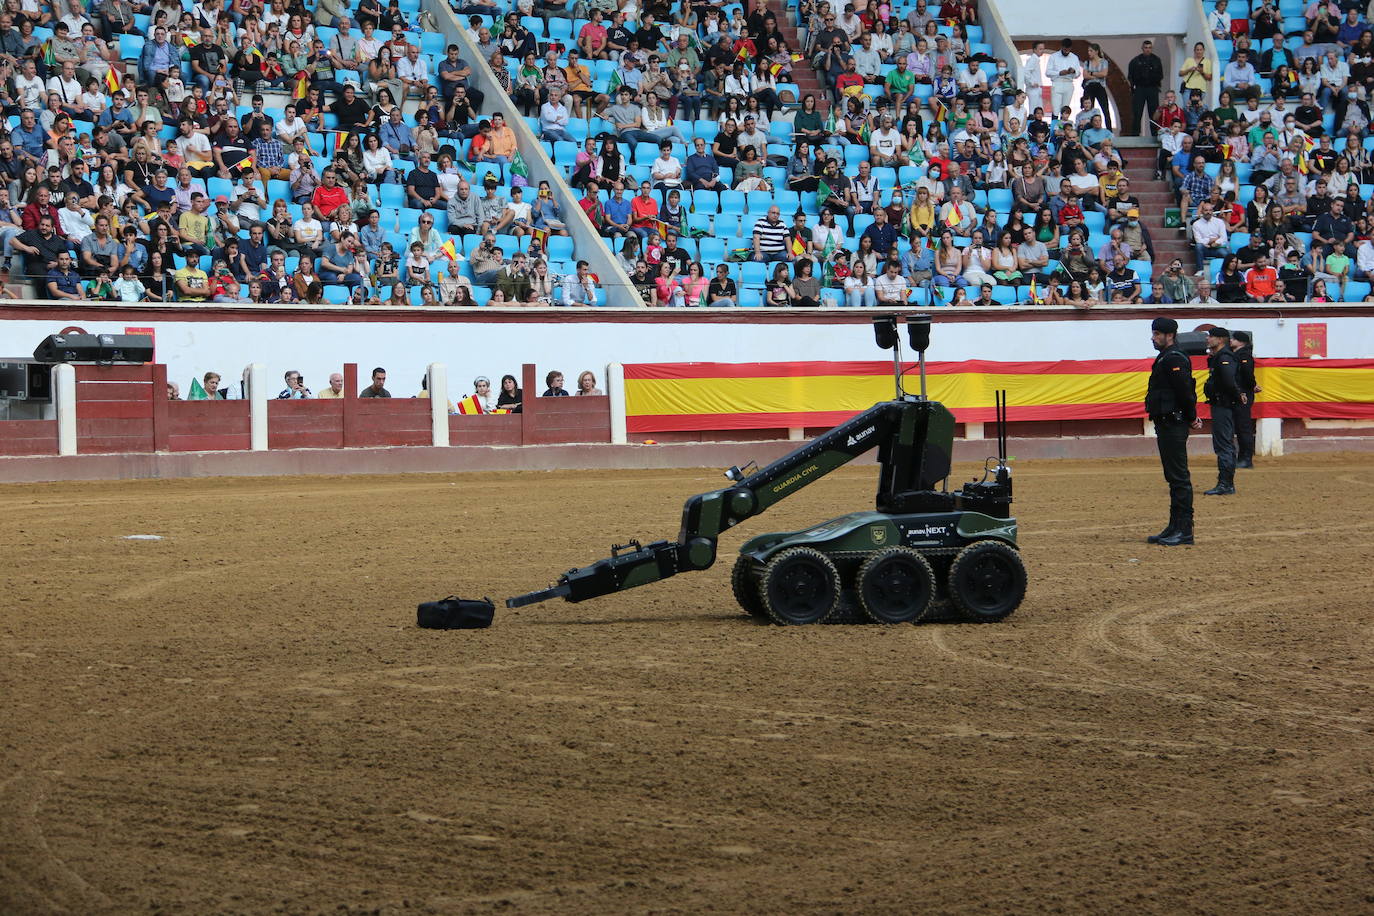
(1171, 404)
(1225, 397)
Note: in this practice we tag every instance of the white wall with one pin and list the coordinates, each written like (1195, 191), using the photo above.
(189, 348)
(1077, 19)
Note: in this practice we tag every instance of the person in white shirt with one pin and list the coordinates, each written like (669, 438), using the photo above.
(76, 222)
(29, 89)
(1209, 234)
(66, 84)
(290, 127)
(1063, 69)
(850, 22)
(1033, 75)
(654, 119)
(1364, 261)
(414, 71)
(1219, 22)
(666, 171)
(885, 143)
(890, 288)
(553, 118)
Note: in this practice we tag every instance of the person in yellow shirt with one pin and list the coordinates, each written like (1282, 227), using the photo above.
(579, 85)
(1197, 71)
(335, 389)
(194, 226)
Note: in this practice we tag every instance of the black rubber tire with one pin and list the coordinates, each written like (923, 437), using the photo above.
(799, 586)
(895, 586)
(746, 587)
(987, 581)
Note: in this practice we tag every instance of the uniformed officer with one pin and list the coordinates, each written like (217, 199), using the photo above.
(1224, 397)
(1245, 380)
(1171, 403)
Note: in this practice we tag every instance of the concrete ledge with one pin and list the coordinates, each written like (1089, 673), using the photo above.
(429, 460)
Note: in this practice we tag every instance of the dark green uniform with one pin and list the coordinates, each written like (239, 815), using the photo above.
(1171, 404)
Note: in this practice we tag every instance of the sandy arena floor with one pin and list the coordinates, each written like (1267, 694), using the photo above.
(243, 717)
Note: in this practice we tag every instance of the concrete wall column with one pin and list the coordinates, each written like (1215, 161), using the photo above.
(64, 397)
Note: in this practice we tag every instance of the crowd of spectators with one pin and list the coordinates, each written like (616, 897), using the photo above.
(240, 151)
(246, 151)
(926, 171)
(1272, 184)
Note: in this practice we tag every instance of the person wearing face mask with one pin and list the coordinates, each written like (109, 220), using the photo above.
(1137, 235)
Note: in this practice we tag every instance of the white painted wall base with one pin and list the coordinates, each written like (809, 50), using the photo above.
(973, 431)
(255, 378)
(1269, 437)
(436, 379)
(64, 397)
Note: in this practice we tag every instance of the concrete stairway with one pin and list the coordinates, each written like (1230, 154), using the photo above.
(806, 79)
(1155, 198)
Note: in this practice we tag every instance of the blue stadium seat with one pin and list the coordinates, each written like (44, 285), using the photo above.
(732, 201)
(712, 252)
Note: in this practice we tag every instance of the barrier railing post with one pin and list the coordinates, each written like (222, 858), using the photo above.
(1269, 437)
(256, 377)
(64, 396)
(615, 390)
(437, 382)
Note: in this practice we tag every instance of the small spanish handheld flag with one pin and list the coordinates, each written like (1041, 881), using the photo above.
(774, 69)
(339, 140)
(1226, 151)
(797, 57)
(954, 217)
(746, 49)
(470, 405)
(245, 163)
(255, 51)
(798, 246)
(302, 84)
(541, 236)
(188, 41)
(449, 250)
(1034, 293)
(941, 112)
(112, 82)
(660, 227)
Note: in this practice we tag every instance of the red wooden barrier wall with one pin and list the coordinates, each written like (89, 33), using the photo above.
(28, 437)
(125, 409)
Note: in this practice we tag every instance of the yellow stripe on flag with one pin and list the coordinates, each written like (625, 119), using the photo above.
(821, 393)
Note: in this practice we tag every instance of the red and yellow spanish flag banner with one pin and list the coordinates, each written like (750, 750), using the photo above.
(665, 397)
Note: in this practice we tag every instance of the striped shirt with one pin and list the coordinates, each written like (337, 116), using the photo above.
(771, 236)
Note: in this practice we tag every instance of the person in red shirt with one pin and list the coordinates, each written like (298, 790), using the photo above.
(644, 212)
(1169, 112)
(329, 197)
(1261, 281)
(41, 206)
(591, 204)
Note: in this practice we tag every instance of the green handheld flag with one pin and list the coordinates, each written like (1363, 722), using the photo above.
(518, 167)
(823, 192)
(197, 392)
(616, 82)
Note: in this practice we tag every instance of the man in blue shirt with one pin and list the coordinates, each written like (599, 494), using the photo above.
(918, 264)
(63, 282)
(881, 232)
(28, 137)
(157, 60)
(617, 215)
(118, 117)
(254, 250)
(702, 170)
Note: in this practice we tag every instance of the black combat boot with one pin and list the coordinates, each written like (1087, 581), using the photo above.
(1245, 463)
(1168, 529)
(1182, 535)
(1225, 486)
